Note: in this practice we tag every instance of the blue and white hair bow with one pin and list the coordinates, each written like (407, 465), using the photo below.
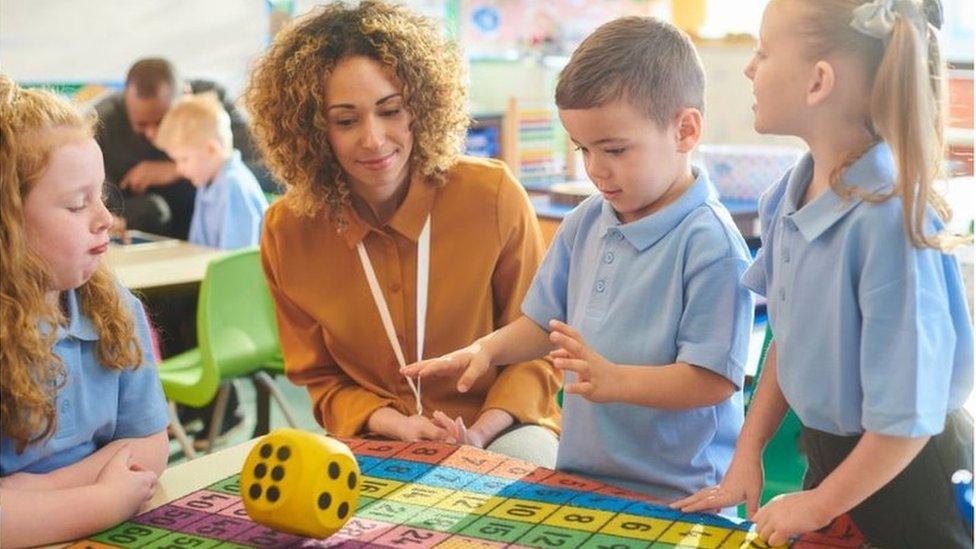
(877, 18)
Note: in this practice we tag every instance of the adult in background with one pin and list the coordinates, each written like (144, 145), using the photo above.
(144, 186)
(388, 245)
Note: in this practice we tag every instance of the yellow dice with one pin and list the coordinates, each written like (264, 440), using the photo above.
(300, 482)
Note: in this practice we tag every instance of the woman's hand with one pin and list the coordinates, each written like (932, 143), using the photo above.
(457, 432)
(390, 423)
(491, 422)
(414, 428)
(472, 360)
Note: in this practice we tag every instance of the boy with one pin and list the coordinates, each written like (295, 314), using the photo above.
(227, 212)
(229, 204)
(639, 290)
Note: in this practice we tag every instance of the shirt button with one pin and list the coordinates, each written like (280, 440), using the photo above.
(600, 286)
(395, 287)
(786, 256)
(608, 257)
(782, 294)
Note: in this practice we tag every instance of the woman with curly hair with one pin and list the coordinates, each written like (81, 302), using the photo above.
(388, 245)
(83, 414)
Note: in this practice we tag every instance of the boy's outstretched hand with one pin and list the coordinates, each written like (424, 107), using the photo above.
(597, 378)
(472, 360)
(742, 483)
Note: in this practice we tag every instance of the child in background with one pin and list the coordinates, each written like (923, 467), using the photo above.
(229, 204)
(639, 293)
(83, 414)
(873, 345)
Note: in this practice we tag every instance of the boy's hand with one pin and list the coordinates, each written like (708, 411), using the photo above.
(790, 515)
(597, 378)
(743, 482)
(473, 360)
(127, 482)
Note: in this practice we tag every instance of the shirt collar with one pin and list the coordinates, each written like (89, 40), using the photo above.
(873, 172)
(408, 220)
(208, 192)
(645, 232)
(79, 325)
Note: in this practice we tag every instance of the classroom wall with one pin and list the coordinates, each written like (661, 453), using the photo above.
(95, 41)
(728, 97)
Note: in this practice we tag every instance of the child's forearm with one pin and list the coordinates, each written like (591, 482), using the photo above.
(50, 516)
(767, 409)
(672, 387)
(518, 341)
(874, 462)
(80, 473)
(150, 452)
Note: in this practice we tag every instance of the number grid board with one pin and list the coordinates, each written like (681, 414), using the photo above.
(437, 495)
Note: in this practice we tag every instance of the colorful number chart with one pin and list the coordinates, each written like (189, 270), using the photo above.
(437, 495)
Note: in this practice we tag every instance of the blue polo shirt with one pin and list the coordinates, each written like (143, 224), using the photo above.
(872, 333)
(96, 405)
(656, 291)
(227, 212)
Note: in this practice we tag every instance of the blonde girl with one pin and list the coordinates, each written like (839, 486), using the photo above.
(873, 344)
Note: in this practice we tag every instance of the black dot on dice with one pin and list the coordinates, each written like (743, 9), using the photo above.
(266, 450)
(343, 510)
(325, 500)
(277, 473)
(334, 470)
(351, 481)
(260, 470)
(254, 491)
(283, 453)
(272, 494)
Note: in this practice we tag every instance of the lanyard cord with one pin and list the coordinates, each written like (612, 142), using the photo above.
(423, 272)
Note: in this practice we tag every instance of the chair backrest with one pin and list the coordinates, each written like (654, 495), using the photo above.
(236, 332)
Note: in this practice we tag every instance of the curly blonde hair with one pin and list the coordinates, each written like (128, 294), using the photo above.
(287, 89)
(32, 374)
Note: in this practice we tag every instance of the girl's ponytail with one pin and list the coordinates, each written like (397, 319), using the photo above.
(907, 110)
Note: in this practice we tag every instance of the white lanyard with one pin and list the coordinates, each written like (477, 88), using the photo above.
(423, 271)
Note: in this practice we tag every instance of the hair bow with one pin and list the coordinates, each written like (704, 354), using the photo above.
(877, 18)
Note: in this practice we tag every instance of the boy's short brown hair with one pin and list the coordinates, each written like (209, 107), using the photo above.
(193, 121)
(649, 62)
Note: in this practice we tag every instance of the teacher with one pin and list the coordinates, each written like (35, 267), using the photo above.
(388, 245)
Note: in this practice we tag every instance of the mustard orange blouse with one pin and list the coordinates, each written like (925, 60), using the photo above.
(485, 248)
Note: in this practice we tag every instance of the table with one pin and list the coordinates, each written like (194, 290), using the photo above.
(163, 264)
(424, 494)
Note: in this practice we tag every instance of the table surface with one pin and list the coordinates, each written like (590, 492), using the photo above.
(160, 264)
(388, 465)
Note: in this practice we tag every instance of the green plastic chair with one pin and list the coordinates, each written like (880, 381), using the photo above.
(237, 336)
(784, 462)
